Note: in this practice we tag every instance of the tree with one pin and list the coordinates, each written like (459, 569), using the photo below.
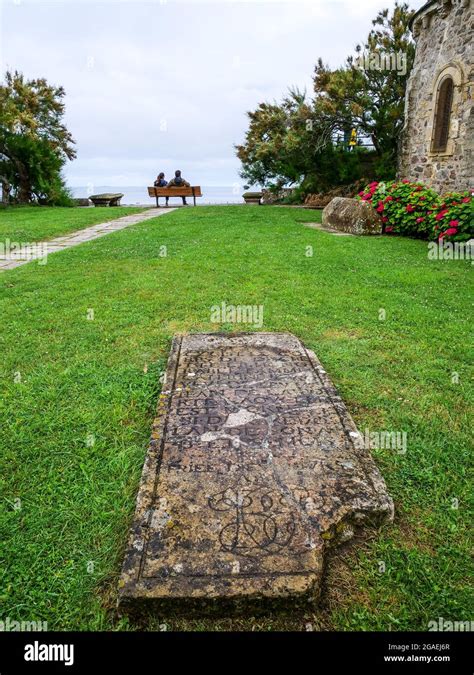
(282, 143)
(34, 142)
(294, 142)
(366, 94)
(269, 148)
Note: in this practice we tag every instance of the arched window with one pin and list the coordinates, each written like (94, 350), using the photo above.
(444, 104)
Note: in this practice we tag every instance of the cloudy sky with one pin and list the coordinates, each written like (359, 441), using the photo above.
(163, 84)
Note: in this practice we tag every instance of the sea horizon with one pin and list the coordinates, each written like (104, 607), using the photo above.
(137, 195)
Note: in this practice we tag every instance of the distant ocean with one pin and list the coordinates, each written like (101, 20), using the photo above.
(139, 195)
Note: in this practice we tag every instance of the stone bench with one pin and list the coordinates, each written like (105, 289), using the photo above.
(107, 199)
(252, 197)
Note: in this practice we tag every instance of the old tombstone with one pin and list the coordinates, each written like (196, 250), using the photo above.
(255, 468)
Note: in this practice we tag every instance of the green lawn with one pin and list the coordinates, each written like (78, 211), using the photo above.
(67, 381)
(37, 223)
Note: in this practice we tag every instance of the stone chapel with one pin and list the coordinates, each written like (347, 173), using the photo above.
(438, 137)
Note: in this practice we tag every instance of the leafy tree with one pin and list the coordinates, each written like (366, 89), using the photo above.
(365, 94)
(34, 142)
(294, 142)
(266, 153)
(282, 143)
(290, 143)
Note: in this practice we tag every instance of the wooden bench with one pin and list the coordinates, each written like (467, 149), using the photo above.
(194, 191)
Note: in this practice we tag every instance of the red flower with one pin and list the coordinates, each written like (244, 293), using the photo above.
(380, 207)
(405, 180)
(453, 223)
(389, 199)
(384, 219)
(441, 214)
(466, 200)
(419, 220)
(389, 229)
(410, 208)
(361, 193)
(448, 233)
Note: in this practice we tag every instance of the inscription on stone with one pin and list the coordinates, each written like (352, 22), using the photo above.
(252, 472)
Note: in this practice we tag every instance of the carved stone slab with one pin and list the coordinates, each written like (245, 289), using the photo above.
(253, 471)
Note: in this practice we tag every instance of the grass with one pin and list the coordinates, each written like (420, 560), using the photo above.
(78, 398)
(37, 223)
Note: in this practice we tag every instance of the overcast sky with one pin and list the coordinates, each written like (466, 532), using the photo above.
(165, 84)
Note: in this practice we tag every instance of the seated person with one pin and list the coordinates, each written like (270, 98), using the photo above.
(178, 182)
(161, 182)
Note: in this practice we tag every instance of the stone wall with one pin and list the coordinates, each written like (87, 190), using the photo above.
(322, 199)
(269, 197)
(443, 31)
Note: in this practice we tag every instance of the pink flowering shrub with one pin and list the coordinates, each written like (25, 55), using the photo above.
(454, 221)
(416, 210)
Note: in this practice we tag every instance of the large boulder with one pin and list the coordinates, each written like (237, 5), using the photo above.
(353, 216)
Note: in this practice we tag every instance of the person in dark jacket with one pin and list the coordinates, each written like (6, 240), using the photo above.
(161, 182)
(178, 182)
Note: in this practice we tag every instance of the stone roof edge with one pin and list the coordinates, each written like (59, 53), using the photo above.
(420, 11)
